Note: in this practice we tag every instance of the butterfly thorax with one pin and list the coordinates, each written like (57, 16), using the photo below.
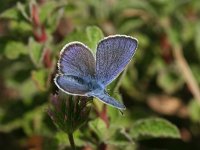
(95, 87)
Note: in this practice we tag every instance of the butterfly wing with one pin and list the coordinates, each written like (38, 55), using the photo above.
(76, 66)
(72, 84)
(105, 98)
(113, 54)
(76, 59)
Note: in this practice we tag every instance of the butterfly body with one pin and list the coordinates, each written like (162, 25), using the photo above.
(81, 74)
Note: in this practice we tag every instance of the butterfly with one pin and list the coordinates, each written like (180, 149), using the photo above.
(80, 73)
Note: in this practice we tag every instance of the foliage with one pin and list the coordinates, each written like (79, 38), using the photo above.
(166, 65)
(154, 127)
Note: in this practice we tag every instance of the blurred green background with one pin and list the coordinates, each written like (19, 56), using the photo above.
(160, 87)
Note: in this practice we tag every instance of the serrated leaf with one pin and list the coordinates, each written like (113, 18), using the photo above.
(154, 128)
(14, 49)
(94, 35)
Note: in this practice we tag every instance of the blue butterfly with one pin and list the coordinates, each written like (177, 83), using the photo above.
(79, 73)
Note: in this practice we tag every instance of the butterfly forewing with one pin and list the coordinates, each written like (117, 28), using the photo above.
(76, 59)
(113, 54)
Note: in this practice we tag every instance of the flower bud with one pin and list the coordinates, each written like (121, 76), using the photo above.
(69, 112)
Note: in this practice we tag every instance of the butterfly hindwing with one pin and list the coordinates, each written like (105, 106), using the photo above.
(72, 84)
(105, 98)
(76, 59)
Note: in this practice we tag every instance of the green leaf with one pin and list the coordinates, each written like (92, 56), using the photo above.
(154, 128)
(196, 71)
(21, 27)
(197, 39)
(22, 8)
(17, 12)
(77, 35)
(62, 137)
(11, 13)
(90, 37)
(46, 10)
(141, 5)
(99, 127)
(14, 49)
(194, 110)
(10, 126)
(29, 117)
(35, 51)
(26, 92)
(114, 86)
(174, 36)
(40, 79)
(130, 25)
(122, 140)
(50, 11)
(170, 80)
(188, 32)
(94, 35)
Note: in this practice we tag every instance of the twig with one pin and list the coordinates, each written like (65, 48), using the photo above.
(186, 72)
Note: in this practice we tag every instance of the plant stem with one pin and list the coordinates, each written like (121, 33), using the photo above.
(71, 141)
